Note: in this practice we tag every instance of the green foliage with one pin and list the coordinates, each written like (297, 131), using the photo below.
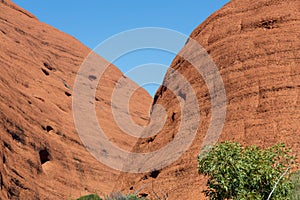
(90, 197)
(295, 178)
(113, 196)
(133, 197)
(236, 172)
(120, 196)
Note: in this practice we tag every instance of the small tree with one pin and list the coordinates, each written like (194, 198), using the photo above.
(236, 172)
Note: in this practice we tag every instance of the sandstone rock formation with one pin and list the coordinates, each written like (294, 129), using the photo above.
(41, 154)
(255, 45)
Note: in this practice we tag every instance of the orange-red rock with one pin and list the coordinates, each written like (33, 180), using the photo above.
(255, 45)
(41, 154)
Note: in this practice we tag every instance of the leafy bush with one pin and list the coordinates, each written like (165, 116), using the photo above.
(120, 196)
(90, 197)
(236, 172)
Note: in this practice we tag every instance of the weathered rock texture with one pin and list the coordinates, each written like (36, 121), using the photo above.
(41, 154)
(256, 46)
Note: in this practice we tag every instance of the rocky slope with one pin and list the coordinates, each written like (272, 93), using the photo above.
(255, 45)
(41, 154)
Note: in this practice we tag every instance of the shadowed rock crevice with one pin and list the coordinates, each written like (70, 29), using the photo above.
(1, 181)
(6, 145)
(68, 94)
(173, 116)
(47, 128)
(268, 24)
(154, 173)
(16, 132)
(44, 156)
(49, 67)
(159, 93)
(45, 72)
(13, 192)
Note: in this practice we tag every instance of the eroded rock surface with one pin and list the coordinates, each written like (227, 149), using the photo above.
(41, 154)
(255, 45)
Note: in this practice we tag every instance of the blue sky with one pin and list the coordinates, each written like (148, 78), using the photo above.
(93, 21)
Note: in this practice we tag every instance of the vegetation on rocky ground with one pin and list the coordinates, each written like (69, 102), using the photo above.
(113, 196)
(241, 173)
(237, 172)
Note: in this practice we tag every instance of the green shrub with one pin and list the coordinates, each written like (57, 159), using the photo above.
(113, 196)
(236, 172)
(90, 197)
(120, 196)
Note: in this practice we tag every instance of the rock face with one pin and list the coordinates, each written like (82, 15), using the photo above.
(41, 154)
(255, 46)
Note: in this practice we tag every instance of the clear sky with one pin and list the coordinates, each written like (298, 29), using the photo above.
(93, 21)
